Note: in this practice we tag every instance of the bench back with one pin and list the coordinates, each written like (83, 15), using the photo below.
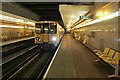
(111, 53)
(106, 51)
(116, 57)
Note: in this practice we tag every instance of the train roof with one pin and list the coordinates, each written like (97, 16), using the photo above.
(46, 22)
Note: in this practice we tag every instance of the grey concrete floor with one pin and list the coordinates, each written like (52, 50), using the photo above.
(74, 60)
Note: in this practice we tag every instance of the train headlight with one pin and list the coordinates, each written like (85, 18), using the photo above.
(38, 39)
(54, 38)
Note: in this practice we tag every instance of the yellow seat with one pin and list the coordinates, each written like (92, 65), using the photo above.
(108, 55)
(105, 52)
(114, 60)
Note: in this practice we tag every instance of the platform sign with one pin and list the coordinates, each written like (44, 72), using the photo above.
(85, 17)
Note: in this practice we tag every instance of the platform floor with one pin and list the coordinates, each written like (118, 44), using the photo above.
(74, 60)
(14, 41)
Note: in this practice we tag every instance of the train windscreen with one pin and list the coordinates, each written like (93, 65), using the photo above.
(46, 28)
(38, 28)
(53, 28)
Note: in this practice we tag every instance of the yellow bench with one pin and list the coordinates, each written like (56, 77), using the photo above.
(111, 57)
(100, 53)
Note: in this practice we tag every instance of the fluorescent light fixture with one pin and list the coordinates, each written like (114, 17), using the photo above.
(70, 20)
(113, 15)
(45, 21)
(31, 23)
(100, 13)
(6, 26)
(8, 18)
(3, 17)
(106, 13)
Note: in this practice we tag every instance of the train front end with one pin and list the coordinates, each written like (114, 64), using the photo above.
(46, 34)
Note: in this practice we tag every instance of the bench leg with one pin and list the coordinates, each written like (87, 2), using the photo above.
(97, 59)
(116, 71)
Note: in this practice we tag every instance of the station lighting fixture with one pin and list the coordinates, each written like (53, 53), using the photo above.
(54, 24)
(8, 18)
(15, 18)
(100, 13)
(69, 24)
(45, 21)
(25, 26)
(68, 29)
(70, 20)
(17, 23)
(72, 16)
(9, 26)
(106, 13)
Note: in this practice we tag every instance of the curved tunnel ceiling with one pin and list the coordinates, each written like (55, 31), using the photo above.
(49, 10)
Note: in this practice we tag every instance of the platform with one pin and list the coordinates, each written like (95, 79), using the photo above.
(14, 41)
(74, 60)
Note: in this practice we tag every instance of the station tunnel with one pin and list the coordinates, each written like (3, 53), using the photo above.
(60, 40)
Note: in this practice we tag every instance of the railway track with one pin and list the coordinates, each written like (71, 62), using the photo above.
(13, 64)
(34, 68)
(11, 48)
(31, 67)
(29, 62)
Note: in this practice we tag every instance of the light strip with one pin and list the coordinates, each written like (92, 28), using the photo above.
(2, 17)
(113, 15)
(31, 28)
(8, 18)
(6, 26)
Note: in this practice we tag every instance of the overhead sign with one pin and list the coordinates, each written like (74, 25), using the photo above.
(85, 17)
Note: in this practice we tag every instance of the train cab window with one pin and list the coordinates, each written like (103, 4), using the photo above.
(45, 28)
(53, 28)
(38, 28)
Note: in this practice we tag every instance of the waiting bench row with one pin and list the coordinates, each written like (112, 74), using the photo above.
(110, 56)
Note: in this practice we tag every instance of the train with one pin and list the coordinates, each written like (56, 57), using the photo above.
(48, 34)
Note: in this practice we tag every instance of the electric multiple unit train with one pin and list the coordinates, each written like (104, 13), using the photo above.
(48, 34)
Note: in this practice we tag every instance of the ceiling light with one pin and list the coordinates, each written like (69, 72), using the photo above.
(7, 26)
(70, 20)
(106, 13)
(45, 21)
(72, 16)
(17, 23)
(100, 13)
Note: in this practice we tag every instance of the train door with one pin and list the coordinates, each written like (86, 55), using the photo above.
(46, 32)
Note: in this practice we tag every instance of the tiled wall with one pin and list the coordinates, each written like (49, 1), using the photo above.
(107, 33)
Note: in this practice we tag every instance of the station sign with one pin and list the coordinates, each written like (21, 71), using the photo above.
(85, 17)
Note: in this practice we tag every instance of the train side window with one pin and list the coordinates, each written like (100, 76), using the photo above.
(53, 28)
(38, 28)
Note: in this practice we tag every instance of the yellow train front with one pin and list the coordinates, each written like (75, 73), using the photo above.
(48, 34)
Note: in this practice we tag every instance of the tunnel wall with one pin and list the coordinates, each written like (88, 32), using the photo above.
(16, 9)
